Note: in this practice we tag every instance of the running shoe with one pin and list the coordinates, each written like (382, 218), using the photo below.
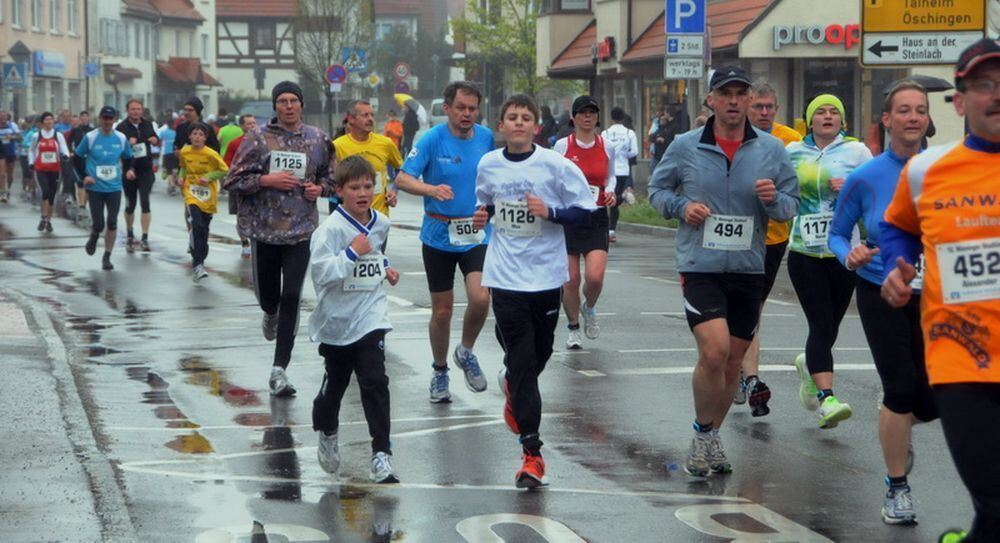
(328, 452)
(469, 364)
(382, 472)
(199, 273)
(3, 197)
(48, 226)
(696, 464)
(898, 507)
(741, 391)
(245, 252)
(439, 386)
(106, 264)
(144, 244)
(508, 411)
(41, 224)
(612, 238)
(629, 197)
(717, 461)
(807, 388)
(279, 384)
(130, 244)
(532, 472)
(574, 340)
(832, 412)
(953, 535)
(270, 326)
(91, 245)
(590, 327)
(758, 395)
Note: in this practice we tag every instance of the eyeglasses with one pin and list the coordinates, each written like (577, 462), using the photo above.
(288, 102)
(983, 86)
(762, 107)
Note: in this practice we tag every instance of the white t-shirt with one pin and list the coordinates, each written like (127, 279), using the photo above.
(610, 182)
(344, 315)
(626, 146)
(531, 263)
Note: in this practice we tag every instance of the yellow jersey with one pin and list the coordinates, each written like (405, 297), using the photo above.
(380, 152)
(198, 164)
(777, 232)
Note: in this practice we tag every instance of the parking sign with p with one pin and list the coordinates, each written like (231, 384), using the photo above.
(685, 17)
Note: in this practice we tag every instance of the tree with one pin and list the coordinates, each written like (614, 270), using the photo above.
(501, 36)
(322, 29)
(427, 56)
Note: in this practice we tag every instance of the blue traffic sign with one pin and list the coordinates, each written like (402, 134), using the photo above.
(15, 75)
(336, 74)
(685, 17)
(354, 59)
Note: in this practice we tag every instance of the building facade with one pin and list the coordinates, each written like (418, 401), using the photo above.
(255, 39)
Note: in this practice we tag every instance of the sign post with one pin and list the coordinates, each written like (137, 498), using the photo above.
(685, 26)
(926, 33)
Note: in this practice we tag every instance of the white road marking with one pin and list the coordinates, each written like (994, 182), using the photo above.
(682, 314)
(763, 367)
(779, 302)
(670, 281)
(265, 426)
(592, 373)
(693, 349)
(399, 301)
(415, 273)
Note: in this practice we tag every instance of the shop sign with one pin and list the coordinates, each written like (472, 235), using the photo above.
(49, 64)
(847, 35)
(605, 48)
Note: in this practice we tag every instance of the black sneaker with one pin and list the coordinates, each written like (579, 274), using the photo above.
(106, 263)
(91, 244)
(41, 224)
(757, 397)
(48, 226)
(144, 245)
(130, 244)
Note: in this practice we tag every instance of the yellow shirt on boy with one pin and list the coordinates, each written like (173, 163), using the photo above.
(195, 165)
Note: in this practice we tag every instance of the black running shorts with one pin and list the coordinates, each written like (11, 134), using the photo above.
(583, 238)
(440, 265)
(735, 297)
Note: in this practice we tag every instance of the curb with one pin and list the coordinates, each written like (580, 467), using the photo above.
(647, 229)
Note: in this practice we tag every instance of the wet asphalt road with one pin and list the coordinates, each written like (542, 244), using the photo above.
(173, 376)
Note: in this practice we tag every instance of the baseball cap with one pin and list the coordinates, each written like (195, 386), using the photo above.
(583, 102)
(729, 74)
(108, 111)
(974, 54)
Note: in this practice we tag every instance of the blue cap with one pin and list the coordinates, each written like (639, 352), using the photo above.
(108, 112)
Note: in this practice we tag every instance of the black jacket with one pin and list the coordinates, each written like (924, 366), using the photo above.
(142, 134)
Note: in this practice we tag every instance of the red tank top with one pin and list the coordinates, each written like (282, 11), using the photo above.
(593, 162)
(47, 154)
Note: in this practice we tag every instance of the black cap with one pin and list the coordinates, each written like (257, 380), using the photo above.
(983, 49)
(108, 112)
(195, 103)
(728, 74)
(284, 87)
(583, 102)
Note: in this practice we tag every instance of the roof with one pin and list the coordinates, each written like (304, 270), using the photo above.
(177, 9)
(577, 55)
(116, 73)
(186, 71)
(243, 9)
(726, 19)
(141, 8)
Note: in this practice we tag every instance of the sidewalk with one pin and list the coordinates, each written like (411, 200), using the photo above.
(56, 484)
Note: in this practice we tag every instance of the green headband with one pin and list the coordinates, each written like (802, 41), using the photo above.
(825, 100)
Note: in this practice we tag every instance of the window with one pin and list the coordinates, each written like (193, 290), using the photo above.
(54, 15)
(156, 42)
(16, 8)
(71, 16)
(145, 42)
(263, 36)
(549, 6)
(177, 43)
(137, 39)
(204, 47)
(36, 15)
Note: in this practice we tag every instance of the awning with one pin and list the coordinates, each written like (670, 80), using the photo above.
(116, 73)
(726, 20)
(185, 71)
(577, 58)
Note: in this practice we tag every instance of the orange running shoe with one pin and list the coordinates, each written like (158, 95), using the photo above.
(532, 472)
(508, 411)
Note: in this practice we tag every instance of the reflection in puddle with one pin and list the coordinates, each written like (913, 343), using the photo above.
(362, 513)
(201, 374)
(285, 464)
(190, 444)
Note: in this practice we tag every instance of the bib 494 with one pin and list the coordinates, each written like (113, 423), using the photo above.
(727, 232)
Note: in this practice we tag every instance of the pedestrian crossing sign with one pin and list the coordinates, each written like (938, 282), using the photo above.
(354, 59)
(14, 75)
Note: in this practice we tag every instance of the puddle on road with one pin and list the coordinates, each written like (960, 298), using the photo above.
(203, 375)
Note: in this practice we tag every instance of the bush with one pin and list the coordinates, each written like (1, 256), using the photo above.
(643, 213)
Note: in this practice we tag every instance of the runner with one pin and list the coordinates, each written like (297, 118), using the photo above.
(376, 148)
(277, 176)
(595, 157)
(248, 123)
(141, 135)
(533, 192)
(202, 168)
(393, 129)
(350, 321)
(724, 181)
(10, 136)
(76, 135)
(446, 159)
(822, 160)
(192, 114)
(28, 132)
(763, 109)
(106, 152)
(45, 152)
(623, 138)
(168, 157)
(959, 242)
(227, 132)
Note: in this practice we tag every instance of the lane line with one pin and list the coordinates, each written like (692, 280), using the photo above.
(266, 426)
(682, 314)
(658, 279)
(694, 350)
(591, 373)
(763, 367)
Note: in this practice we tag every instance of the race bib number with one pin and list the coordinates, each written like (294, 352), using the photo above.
(200, 192)
(379, 183)
(50, 157)
(514, 219)
(728, 233)
(369, 271)
(107, 173)
(918, 280)
(139, 150)
(970, 270)
(288, 161)
(461, 232)
(815, 227)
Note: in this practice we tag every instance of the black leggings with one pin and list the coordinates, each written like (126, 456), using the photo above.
(279, 272)
(970, 417)
(366, 359)
(897, 346)
(525, 327)
(200, 222)
(824, 288)
(98, 202)
(49, 183)
(142, 185)
(621, 183)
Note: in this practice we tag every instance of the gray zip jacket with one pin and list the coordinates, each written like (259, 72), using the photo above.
(695, 169)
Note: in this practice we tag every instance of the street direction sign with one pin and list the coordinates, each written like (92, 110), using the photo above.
(685, 17)
(336, 74)
(15, 75)
(683, 68)
(907, 32)
(684, 45)
(354, 59)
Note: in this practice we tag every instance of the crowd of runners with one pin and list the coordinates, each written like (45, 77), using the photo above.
(530, 228)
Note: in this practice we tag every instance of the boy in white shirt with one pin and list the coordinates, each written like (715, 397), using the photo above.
(350, 319)
(532, 192)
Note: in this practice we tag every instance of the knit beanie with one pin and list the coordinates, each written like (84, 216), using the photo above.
(196, 104)
(825, 100)
(284, 87)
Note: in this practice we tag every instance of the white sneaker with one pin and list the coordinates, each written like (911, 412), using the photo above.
(574, 340)
(629, 197)
(590, 327)
(328, 452)
(270, 326)
(279, 383)
(807, 388)
(382, 471)
(199, 273)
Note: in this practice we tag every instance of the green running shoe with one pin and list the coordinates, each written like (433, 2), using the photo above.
(954, 535)
(807, 388)
(832, 412)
